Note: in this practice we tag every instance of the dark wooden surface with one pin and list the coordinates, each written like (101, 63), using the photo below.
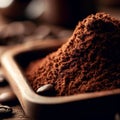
(18, 113)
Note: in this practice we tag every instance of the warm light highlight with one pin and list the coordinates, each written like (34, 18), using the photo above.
(5, 3)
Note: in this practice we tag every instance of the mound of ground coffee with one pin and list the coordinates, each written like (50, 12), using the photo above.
(89, 61)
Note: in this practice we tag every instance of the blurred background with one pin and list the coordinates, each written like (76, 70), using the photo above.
(22, 21)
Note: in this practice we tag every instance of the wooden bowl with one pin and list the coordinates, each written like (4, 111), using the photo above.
(94, 105)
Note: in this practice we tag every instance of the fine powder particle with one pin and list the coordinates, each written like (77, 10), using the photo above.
(89, 61)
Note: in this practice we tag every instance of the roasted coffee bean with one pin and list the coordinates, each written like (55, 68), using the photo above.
(15, 32)
(46, 90)
(7, 96)
(5, 109)
(40, 33)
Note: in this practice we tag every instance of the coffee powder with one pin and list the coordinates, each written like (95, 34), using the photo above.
(89, 61)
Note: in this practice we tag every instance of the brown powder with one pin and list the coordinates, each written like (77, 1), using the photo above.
(89, 61)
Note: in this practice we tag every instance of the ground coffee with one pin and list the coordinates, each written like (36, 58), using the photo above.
(89, 61)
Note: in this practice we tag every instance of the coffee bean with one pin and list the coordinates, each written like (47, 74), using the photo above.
(40, 33)
(46, 90)
(5, 109)
(7, 96)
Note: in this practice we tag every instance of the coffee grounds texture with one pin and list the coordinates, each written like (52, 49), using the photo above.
(89, 61)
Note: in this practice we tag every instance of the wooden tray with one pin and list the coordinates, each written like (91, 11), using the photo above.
(94, 105)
